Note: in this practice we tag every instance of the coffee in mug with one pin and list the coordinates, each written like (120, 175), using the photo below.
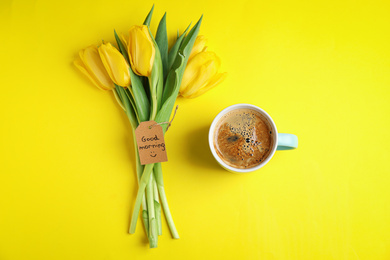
(243, 138)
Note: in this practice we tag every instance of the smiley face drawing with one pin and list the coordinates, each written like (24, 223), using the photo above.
(153, 154)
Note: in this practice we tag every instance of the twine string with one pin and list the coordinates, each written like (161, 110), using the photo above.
(167, 122)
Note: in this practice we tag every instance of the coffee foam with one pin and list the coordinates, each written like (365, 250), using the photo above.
(245, 138)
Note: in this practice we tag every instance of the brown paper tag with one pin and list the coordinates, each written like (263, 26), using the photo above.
(150, 142)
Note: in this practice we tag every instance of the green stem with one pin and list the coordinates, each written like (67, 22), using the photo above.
(141, 189)
(157, 207)
(168, 215)
(145, 219)
(164, 202)
(151, 214)
(139, 169)
(138, 166)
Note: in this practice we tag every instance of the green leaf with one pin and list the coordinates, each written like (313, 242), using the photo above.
(164, 113)
(130, 98)
(145, 82)
(122, 48)
(149, 17)
(128, 102)
(166, 109)
(179, 66)
(162, 42)
(156, 81)
(175, 48)
(189, 40)
(172, 79)
(140, 98)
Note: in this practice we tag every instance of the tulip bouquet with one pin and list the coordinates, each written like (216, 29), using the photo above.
(145, 79)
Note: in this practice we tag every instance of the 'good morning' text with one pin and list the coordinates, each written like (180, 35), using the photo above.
(145, 147)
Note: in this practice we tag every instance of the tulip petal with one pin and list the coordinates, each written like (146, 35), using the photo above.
(211, 84)
(203, 67)
(115, 64)
(80, 65)
(188, 76)
(193, 77)
(141, 50)
(199, 46)
(205, 72)
(95, 68)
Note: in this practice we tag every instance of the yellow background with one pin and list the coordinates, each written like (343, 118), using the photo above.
(321, 69)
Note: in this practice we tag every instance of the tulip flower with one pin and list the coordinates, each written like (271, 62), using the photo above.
(201, 73)
(90, 64)
(141, 50)
(115, 64)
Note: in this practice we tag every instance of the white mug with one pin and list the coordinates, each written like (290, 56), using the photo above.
(281, 141)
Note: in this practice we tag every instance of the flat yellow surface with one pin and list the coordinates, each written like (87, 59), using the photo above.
(321, 69)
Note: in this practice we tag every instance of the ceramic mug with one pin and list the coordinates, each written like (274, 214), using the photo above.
(281, 141)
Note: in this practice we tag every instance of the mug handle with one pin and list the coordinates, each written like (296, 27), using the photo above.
(287, 142)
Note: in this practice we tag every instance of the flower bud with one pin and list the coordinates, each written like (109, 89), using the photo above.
(141, 50)
(90, 64)
(115, 64)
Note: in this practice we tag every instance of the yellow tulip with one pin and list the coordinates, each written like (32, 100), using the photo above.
(199, 46)
(115, 64)
(90, 64)
(201, 74)
(141, 50)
